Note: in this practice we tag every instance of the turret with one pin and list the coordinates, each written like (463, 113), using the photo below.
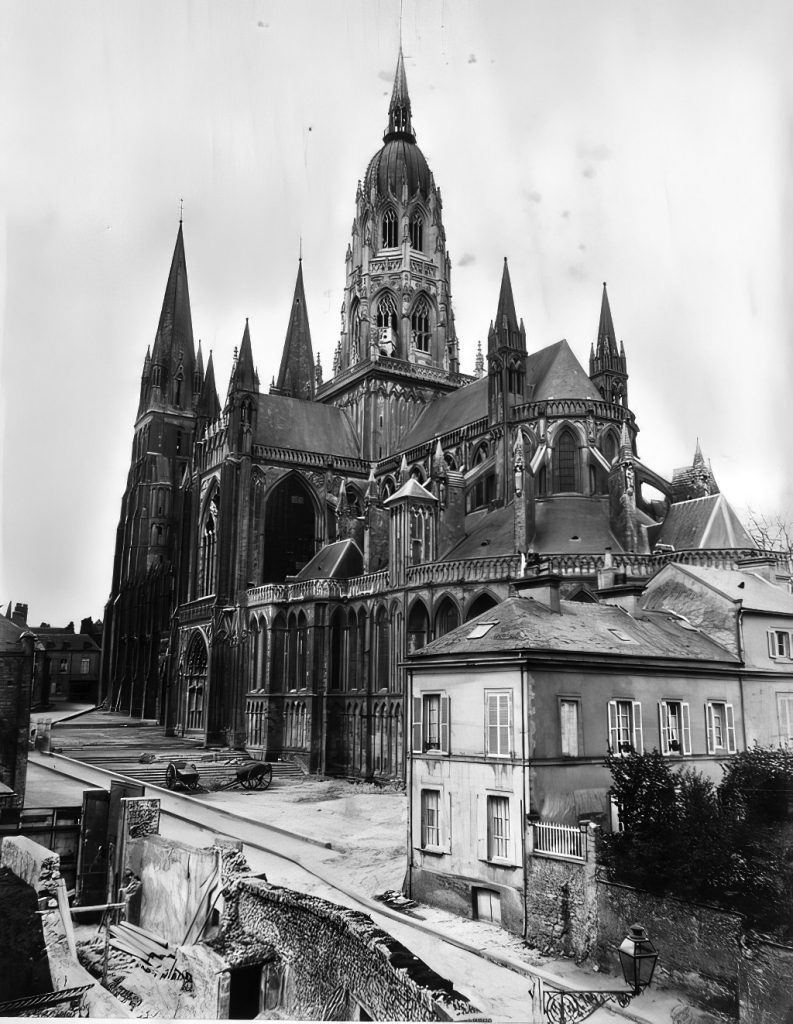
(607, 365)
(506, 355)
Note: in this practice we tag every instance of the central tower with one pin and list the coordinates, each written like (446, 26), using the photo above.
(398, 347)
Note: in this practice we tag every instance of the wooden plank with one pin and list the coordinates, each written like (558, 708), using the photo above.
(66, 917)
(148, 935)
(118, 933)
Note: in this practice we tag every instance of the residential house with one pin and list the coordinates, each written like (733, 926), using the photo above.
(749, 610)
(513, 714)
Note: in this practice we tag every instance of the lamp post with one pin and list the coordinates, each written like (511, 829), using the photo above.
(638, 957)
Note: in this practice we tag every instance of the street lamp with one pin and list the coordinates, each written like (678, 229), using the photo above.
(638, 957)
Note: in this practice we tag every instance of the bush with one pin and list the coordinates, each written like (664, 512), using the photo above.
(683, 836)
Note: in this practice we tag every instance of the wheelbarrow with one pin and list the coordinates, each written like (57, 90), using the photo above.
(253, 775)
(180, 773)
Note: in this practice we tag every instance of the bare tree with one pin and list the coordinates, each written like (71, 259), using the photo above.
(771, 533)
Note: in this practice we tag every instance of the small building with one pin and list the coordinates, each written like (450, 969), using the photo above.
(17, 671)
(73, 660)
(513, 714)
(750, 611)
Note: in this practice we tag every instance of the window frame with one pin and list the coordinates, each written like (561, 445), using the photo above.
(774, 637)
(486, 849)
(503, 730)
(579, 726)
(728, 727)
(420, 721)
(636, 744)
(665, 728)
(785, 699)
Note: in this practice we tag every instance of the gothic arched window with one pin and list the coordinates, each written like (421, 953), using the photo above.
(420, 325)
(389, 229)
(209, 547)
(566, 452)
(386, 312)
(417, 232)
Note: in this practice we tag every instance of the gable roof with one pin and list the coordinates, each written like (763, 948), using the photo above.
(707, 522)
(305, 426)
(523, 624)
(753, 591)
(337, 561)
(448, 412)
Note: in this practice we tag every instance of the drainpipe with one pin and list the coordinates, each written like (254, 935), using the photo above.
(524, 784)
(739, 637)
(408, 734)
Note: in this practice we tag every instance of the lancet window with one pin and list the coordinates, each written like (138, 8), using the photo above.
(389, 229)
(420, 326)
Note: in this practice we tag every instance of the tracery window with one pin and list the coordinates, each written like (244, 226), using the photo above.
(389, 229)
(209, 551)
(417, 232)
(420, 325)
(386, 312)
(566, 462)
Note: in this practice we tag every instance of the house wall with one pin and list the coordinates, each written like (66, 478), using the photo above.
(448, 875)
(767, 723)
(685, 595)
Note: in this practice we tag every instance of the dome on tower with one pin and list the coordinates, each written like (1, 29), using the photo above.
(400, 162)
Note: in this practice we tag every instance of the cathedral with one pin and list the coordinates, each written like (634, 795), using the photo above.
(280, 555)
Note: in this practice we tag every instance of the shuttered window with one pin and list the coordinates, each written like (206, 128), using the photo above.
(720, 726)
(674, 723)
(498, 724)
(430, 725)
(625, 727)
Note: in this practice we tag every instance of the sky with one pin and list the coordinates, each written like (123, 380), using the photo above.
(646, 145)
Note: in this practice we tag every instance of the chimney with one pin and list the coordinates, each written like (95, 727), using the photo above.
(542, 586)
(627, 596)
(20, 616)
(762, 565)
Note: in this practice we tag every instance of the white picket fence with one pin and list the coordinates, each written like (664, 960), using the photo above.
(552, 840)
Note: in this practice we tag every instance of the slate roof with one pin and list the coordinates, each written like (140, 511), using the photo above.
(752, 590)
(337, 561)
(411, 488)
(708, 522)
(444, 414)
(305, 426)
(523, 624)
(52, 638)
(10, 633)
(553, 372)
(564, 523)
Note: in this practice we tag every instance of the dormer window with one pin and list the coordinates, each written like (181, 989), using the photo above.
(389, 229)
(417, 232)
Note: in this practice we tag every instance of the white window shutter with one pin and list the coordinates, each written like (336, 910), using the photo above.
(638, 738)
(444, 730)
(481, 826)
(613, 734)
(417, 745)
(491, 725)
(663, 725)
(709, 728)
(685, 715)
(771, 643)
(730, 716)
(446, 823)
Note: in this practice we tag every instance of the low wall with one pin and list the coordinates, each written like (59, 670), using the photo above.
(561, 906)
(336, 960)
(698, 946)
(765, 981)
(32, 863)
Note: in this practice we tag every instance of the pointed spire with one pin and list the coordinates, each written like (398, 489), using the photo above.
(403, 469)
(439, 467)
(399, 119)
(506, 331)
(607, 340)
(243, 374)
(297, 374)
(371, 486)
(209, 403)
(699, 458)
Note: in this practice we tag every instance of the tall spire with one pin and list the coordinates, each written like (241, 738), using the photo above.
(208, 402)
(506, 331)
(608, 368)
(399, 119)
(243, 374)
(607, 339)
(172, 364)
(297, 376)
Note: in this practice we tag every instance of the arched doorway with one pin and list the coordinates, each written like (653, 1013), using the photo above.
(289, 530)
(194, 679)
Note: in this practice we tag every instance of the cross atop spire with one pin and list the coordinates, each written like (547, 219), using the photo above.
(399, 119)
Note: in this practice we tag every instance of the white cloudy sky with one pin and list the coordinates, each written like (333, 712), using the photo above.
(648, 145)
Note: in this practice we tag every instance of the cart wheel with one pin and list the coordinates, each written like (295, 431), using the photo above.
(247, 782)
(170, 776)
(193, 785)
(265, 778)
